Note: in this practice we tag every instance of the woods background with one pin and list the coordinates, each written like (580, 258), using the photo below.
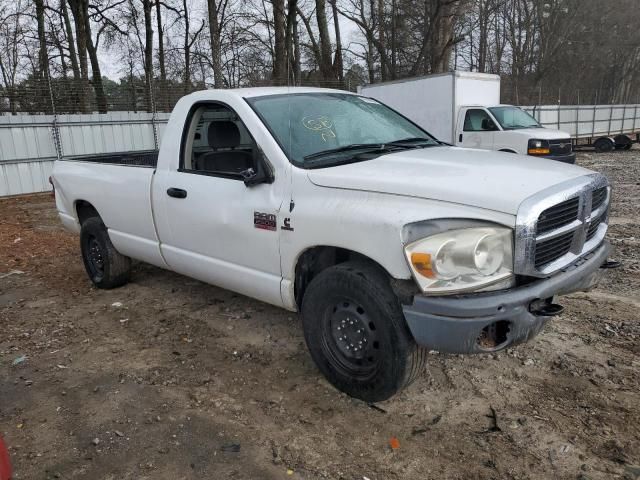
(53, 53)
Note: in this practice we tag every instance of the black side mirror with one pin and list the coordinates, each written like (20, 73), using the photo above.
(261, 173)
(487, 124)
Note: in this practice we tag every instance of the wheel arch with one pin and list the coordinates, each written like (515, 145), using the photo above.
(507, 150)
(85, 210)
(313, 260)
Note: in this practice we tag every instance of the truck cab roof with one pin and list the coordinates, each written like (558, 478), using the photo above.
(251, 92)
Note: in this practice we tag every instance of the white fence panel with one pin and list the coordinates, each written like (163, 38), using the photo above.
(28, 147)
(26, 137)
(24, 177)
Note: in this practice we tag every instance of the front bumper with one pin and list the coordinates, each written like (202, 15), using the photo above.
(569, 158)
(454, 324)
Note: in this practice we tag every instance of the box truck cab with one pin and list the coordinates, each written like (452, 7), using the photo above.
(463, 109)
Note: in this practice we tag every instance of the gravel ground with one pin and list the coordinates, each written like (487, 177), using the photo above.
(169, 378)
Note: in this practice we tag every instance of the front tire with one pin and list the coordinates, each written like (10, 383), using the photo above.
(106, 267)
(356, 332)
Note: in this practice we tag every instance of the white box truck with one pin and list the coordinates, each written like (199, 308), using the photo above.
(463, 109)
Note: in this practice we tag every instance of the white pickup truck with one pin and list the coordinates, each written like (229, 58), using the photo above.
(389, 243)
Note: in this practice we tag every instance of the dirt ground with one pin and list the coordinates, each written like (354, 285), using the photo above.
(169, 378)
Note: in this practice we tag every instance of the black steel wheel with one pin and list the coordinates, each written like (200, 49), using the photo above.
(350, 339)
(356, 332)
(95, 260)
(105, 266)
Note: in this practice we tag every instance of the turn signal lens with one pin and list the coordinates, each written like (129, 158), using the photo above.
(422, 263)
(539, 151)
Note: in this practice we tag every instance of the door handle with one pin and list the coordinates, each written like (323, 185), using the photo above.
(460, 138)
(177, 192)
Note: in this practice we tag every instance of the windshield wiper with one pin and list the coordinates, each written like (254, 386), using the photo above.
(345, 148)
(415, 142)
(334, 163)
(411, 140)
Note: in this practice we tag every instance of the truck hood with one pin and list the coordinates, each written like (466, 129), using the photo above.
(492, 180)
(541, 133)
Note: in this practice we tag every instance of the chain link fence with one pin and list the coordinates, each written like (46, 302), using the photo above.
(69, 96)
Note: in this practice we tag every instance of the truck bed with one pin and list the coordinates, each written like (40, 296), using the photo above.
(143, 158)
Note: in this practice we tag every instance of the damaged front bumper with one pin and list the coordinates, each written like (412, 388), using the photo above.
(487, 322)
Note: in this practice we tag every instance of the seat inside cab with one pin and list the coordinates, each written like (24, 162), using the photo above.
(218, 142)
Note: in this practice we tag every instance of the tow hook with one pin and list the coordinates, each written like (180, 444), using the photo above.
(541, 308)
(608, 264)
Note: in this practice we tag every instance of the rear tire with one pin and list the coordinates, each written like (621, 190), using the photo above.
(356, 332)
(106, 267)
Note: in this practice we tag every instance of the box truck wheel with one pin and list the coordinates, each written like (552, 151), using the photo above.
(604, 144)
(356, 332)
(106, 267)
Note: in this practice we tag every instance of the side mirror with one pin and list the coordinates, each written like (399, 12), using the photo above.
(487, 124)
(250, 177)
(261, 173)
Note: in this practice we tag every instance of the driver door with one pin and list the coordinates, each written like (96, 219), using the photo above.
(478, 129)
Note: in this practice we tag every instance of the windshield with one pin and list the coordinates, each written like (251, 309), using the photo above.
(323, 129)
(512, 118)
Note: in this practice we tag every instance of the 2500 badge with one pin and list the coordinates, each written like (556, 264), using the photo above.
(265, 221)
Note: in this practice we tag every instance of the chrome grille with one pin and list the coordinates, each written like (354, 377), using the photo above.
(561, 224)
(549, 250)
(558, 215)
(599, 197)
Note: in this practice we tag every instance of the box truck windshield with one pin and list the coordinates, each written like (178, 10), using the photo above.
(513, 118)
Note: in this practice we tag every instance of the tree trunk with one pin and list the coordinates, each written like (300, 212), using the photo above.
(384, 70)
(187, 49)
(338, 62)
(214, 35)
(101, 99)
(70, 41)
(78, 11)
(280, 52)
(42, 71)
(163, 71)
(325, 64)
(42, 41)
(289, 41)
(148, 53)
(297, 69)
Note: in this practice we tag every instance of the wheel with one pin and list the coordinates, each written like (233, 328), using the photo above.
(356, 332)
(603, 145)
(622, 142)
(106, 267)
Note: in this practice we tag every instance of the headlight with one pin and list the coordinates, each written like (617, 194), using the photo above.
(463, 260)
(538, 147)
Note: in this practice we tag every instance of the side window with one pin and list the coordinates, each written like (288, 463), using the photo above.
(477, 120)
(218, 143)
